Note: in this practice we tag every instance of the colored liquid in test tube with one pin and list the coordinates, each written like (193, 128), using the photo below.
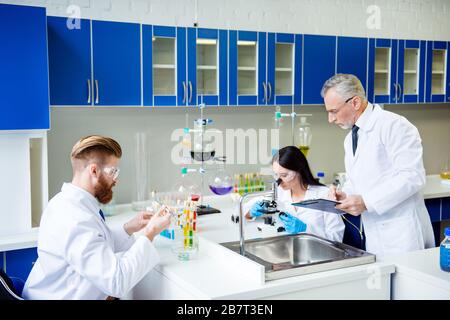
(186, 243)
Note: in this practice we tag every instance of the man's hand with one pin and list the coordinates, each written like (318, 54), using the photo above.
(138, 222)
(157, 223)
(353, 204)
(336, 194)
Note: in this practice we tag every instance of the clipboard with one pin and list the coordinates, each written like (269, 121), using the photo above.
(320, 204)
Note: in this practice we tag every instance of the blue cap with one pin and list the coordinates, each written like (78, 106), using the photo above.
(320, 174)
(447, 232)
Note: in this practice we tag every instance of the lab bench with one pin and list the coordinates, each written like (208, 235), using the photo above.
(418, 276)
(210, 277)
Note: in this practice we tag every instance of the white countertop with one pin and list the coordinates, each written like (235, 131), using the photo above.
(218, 273)
(207, 277)
(422, 265)
(434, 188)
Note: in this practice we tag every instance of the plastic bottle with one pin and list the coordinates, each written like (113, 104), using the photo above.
(445, 251)
(321, 177)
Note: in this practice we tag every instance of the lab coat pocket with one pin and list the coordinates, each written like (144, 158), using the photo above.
(398, 235)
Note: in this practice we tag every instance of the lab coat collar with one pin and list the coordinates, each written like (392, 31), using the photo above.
(365, 121)
(82, 196)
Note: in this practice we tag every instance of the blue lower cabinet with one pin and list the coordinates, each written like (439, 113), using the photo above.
(446, 208)
(20, 262)
(2, 257)
(434, 209)
(437, 233)
(352, 237)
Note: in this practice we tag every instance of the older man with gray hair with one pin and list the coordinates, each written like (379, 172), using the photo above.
(384, 169)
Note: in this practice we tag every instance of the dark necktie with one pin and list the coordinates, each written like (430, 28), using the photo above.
(355, 138)
(101, 214)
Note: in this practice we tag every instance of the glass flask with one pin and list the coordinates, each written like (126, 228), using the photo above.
(220, 182)
(185, 188)
(304, 136)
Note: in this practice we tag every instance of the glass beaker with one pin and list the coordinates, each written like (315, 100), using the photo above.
(304, 136)
(445, 170)
(185, 244)
(141, 171)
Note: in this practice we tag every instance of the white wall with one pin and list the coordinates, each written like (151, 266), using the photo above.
(409, 19)
(414, 19)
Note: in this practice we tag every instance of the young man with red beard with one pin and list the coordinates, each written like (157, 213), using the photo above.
(80, 257)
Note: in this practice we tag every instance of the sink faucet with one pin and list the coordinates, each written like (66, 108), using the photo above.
(246, 196)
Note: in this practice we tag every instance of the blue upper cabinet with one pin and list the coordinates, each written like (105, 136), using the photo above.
(284, 69)
(69, 52)
(202, 66)
(264, 68)
(159, 65)
(382, 74)
(437, 86)
(411, 71)
(352, 57)
(24, 102)
(116, 63)
(244, 83)
(396, 71)
(318, 66)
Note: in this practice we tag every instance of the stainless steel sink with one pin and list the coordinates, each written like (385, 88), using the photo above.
(292, 255)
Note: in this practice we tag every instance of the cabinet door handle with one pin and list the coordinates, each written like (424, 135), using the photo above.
(89, 91)
(190, 91)
(399, 91)
(265, 92)
(96, 87)
(270, 91)
(396, 92)
(184, 92)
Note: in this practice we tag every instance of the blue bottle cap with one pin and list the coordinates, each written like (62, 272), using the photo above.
(447, 232)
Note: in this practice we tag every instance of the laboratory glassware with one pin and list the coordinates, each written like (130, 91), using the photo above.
(304, 136)
(220, 182)
(141, 171)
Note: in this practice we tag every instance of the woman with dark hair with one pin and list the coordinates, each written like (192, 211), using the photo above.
(298, 184)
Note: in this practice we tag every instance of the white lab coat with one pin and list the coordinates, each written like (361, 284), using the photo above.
(80, 257)
(387, 171)
(326, 225)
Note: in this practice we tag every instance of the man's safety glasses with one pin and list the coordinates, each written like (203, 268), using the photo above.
(113, 172)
